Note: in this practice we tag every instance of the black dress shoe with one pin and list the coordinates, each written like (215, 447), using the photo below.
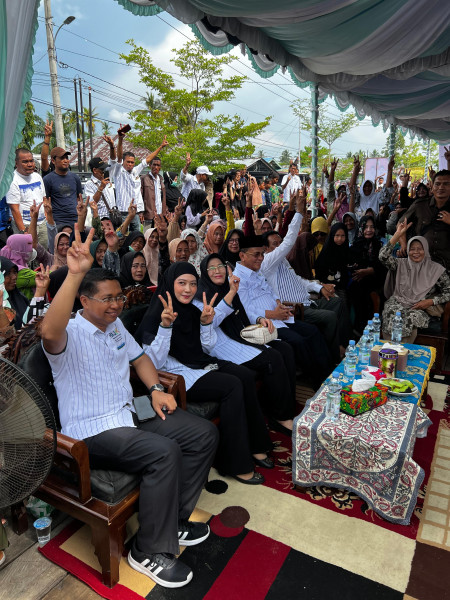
(265, 463)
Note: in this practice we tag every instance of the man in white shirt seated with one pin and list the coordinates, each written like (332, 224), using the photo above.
(260, 302)
(172, 451)
(193, 182)
(26, 187)
(328, 313)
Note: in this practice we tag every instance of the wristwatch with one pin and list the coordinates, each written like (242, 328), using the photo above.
(157, 387)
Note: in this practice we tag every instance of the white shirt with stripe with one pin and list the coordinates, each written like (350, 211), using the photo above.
(92, 378)
(128, 185)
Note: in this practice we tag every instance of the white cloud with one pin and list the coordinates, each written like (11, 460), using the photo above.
(116, 115)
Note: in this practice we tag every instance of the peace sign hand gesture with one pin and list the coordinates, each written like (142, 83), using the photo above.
(207, 316)
(167, 315)
(79, 258)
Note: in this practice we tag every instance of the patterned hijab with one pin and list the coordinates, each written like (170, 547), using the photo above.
(58, 259)
(197, 257)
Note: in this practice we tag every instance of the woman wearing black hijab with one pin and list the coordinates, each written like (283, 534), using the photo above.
(133, 270)
(174, 334)
(172, 191)
(368, 274)
(194, 208)
(268, 362)
(332, 262)
(134, 242)
(229, 252)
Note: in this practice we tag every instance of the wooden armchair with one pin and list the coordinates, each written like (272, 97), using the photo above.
(436, 335)
(102, 499)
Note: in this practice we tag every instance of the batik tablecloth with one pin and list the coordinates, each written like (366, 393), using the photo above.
(369, 455)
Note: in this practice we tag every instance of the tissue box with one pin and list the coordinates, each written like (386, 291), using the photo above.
(402, 360)
(356, 403)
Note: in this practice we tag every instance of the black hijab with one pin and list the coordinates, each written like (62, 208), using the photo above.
(56, 280)
(185, 344)
(234, 323)
(133, 235)
(126, 276)
(195, 201)
(172, 192)
(17, 300)
(225, 254)
(333, 258)
(364, 252)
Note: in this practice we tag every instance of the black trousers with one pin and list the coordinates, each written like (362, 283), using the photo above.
(173, 458)
(277, 391)
(243, 431)
(311, 350)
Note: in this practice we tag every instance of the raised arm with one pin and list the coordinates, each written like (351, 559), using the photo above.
(79, 261)
(120, 144)
(112, 149)
(391, 166)
(45, 165)
(188, 162)
(355, 172)
(155, 153)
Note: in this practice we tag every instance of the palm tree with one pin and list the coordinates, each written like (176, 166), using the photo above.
(152, 103)
(106, 129)
(95, 119)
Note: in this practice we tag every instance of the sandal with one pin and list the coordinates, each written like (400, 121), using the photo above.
(255, 480)
(2, 557)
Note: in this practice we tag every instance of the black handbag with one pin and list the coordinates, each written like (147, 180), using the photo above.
(114, 214)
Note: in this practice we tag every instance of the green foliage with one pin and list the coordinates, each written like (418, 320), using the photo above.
(106, 129)
(412, 154)
(29, 130)
(285, 157)
(329, 129)
(181, 113)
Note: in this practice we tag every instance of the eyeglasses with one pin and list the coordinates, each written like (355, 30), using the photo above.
(119, 299)
(216, 268)
(233, 241)
(256, 254)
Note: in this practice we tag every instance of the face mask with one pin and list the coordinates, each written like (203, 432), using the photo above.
(131, 249)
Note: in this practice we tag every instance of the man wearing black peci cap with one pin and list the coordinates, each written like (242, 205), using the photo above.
(99, 187)
(63, 187)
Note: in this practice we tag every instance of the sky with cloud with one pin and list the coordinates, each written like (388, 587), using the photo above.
(89, 48)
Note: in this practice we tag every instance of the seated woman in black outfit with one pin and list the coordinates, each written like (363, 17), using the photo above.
(278, 378)
(231, 247)
(368, 273)
(177, 336)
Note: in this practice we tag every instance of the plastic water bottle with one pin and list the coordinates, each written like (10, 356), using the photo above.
(376, 324)
(369, 328)
(364, 349)
(397, 328)
(351, 359)
(333, 405)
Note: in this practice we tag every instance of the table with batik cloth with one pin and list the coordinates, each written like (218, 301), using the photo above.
(370, 454)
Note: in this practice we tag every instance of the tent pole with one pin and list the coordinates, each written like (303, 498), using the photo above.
(314, 144)
(392, 136)
(427, 161)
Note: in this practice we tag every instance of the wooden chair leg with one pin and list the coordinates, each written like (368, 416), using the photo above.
(108, 544)
(19, 518)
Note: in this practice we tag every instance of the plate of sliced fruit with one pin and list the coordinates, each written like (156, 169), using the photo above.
(399, 387)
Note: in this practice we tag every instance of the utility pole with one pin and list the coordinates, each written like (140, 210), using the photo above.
(90, 120)
(57, 115)
(78, 125)
(82, 124)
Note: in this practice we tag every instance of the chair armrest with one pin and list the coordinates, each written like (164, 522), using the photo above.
(446, 318)
(175, 385)
(72, 455)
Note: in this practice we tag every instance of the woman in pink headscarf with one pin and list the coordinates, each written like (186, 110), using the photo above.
(214, 238)
(19, 250)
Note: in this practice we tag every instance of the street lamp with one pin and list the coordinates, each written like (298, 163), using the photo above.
(59, 128)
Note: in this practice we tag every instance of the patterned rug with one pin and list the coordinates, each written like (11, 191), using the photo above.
(275, 542)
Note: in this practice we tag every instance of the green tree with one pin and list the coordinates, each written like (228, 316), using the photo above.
(29, 130)
(183, 116)
(106, 128)
(69, 126)
(285, 157)
(329, 129)
(95, 119)
(260, 154)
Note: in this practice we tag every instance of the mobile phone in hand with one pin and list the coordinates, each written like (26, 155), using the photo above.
(144, 409)
(125, 129)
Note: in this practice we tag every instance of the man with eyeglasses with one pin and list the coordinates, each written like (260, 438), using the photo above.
(430, 218)
(172, 451)
(261, 302)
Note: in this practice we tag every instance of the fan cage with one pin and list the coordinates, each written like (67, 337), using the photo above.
(27, 434)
